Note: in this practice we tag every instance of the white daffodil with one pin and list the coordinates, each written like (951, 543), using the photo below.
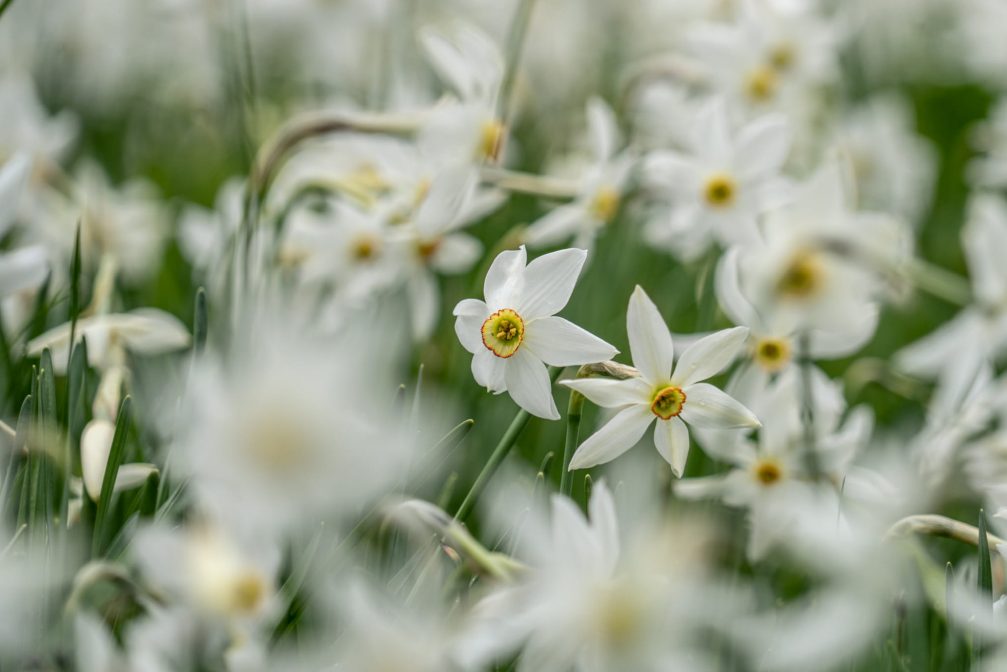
(671, 396)
(725, 179)
(434, 243)
(24, 267)
(600, 190)
(467, 130)
(821, 264)
(514, 333)
(979, 332)
(203, 234)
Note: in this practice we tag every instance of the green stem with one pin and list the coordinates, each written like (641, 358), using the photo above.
(939, 282)
(808, 409)
(497, 457)
(515, 45)
(573, 415)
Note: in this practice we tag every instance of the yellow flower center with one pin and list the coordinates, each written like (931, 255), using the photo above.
(278, 441)
(426, 248)
(782, 56)
(767, 471)
(247, 593)
(802, 277)
(503, 332)
(491, 138)
(720, 190)
(761, 83)
(365, 248)
(605, 204)
(619, 617)
(668, 402)
(772, 354)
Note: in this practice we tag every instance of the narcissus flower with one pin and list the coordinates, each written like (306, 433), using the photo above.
(672, 397)
(515, 332)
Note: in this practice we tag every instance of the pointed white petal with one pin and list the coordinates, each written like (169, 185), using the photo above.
(488, 370)
(649, 338)
(559, 342)
(555, 226)
(456, 253)
(529, 386)
(95, 446)
(449, 192)
(133, 475)
(733, 302)
(505, 279)
(672, 440)
(617, 436)
(22, 269)
(610, 393)
(549, 282)
(701, 488)
(762, 147)
(605, 523)
(471, 313)
(709, 356)
(708, 407)
(603, 129)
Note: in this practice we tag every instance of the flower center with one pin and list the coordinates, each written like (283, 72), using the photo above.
(720, 190)
(802, 277)
(365, 248)
(767, 471)
(761, 83)
(247, 593)
(772, 354)
(491, 137)
(605, 204)
(668, 402)
(782, 56)
(426, 248)
(503, 332)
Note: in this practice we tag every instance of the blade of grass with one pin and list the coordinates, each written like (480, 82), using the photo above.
(115, 455)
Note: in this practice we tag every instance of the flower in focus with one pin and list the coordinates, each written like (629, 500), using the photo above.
(515, 333)
(673, 397)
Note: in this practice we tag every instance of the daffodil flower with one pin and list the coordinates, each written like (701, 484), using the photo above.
(670, 396)
(514, 333)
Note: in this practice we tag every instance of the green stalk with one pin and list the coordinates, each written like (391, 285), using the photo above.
(115, 456)
(515, 46)
(808, 409)
(573, 415)
(499, 453)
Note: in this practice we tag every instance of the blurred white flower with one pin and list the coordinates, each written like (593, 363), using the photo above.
(674, 397)
(515, 332)
(725, 179)
(95, 445)
(25, 267)
(600, 191)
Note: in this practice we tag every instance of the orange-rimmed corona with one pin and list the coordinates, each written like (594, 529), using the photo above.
(668, 402)
(503, 332)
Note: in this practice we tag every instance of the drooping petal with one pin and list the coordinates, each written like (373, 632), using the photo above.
(617, 436)
(762, 147)
(549, 281)
(672, 440)
(649, 338)
(95, 446)
(611, 393)
(488, 370)
(559, 342)
(529, 385)
(709, 356)
(505, 279)
(708, 407)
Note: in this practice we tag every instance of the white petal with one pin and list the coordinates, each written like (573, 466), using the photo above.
(709, 356)
(708, 407)
(13, 177)
(701, 488)
(456, 253)
(133, 475)
(672, 440)
(762, 147)
(505, 279)
(529, 386)
(424, 301)
(603, 129)
(22, 269)
(617, 436)
(95, 446)
(559, 342)
(734, 303)
(488, 370)
(449, 192)
(605, 522)
(610, 393)
(713, 131)
(549, 282)
(555, 226)
(649, 338)
(471, 313)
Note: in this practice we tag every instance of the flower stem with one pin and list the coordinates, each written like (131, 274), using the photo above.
(808, 409)
(573, 415)
(497, 457)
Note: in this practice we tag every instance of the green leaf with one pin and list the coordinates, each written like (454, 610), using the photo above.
(985, 586)
(115, 456)
(75, 270)
(148, 496)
